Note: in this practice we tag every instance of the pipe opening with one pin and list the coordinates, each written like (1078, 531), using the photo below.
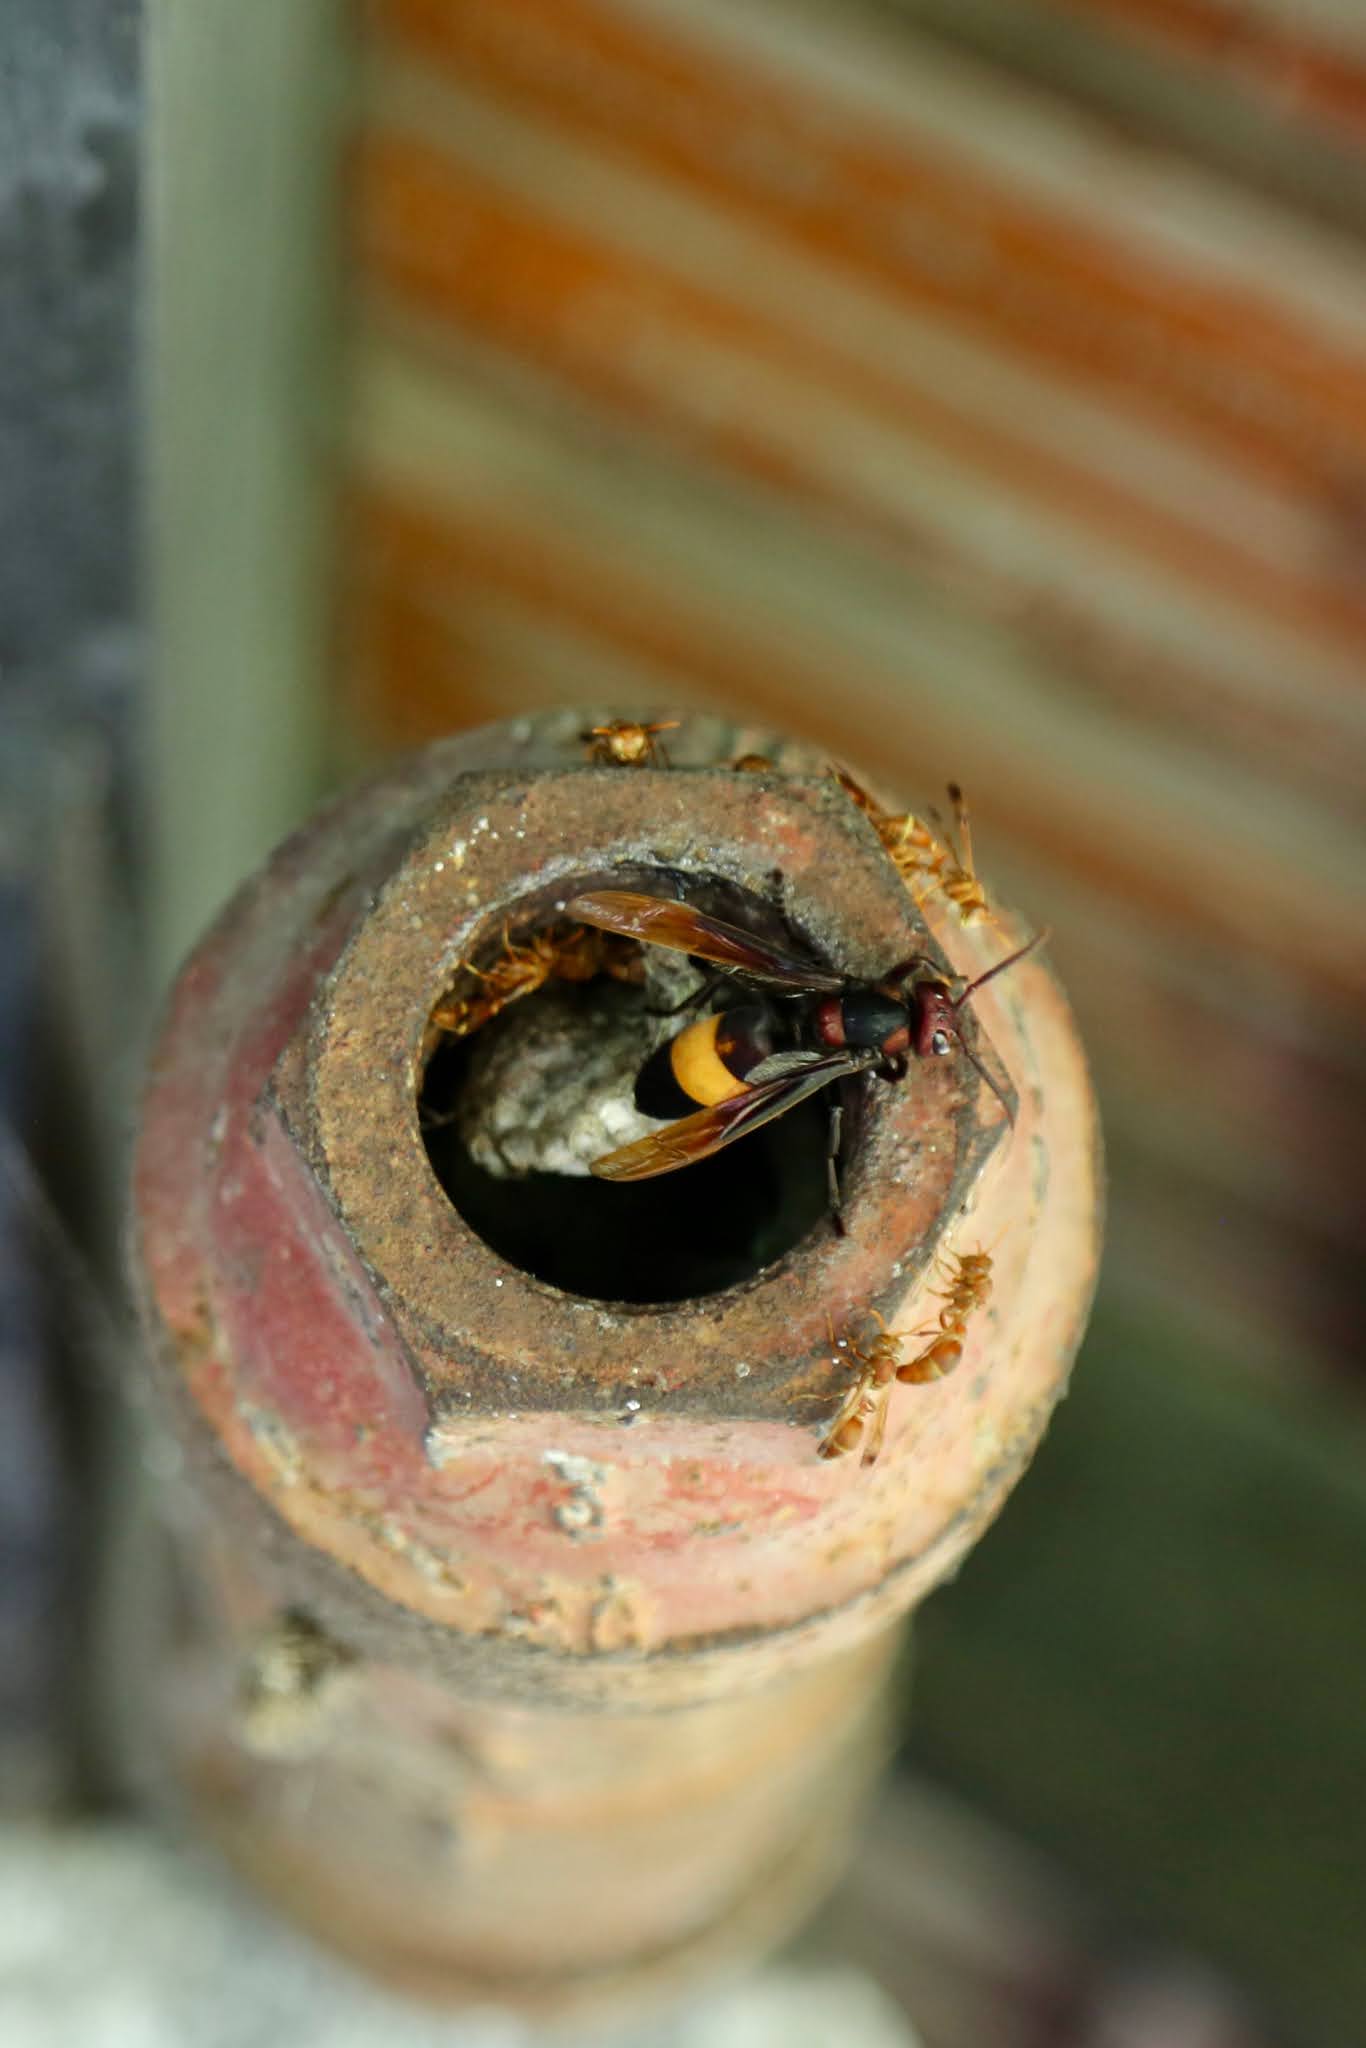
(527, 1089)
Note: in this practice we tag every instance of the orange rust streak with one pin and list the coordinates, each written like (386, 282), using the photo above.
(439, 559)
(441, 237)
(1242, 370)
(1285, 67)
(448, 678)
(411, 675)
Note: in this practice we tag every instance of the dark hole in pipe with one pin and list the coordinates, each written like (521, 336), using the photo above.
(691, 1233)
(681, 1235)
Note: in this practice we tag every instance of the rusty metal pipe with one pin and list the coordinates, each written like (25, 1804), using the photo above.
(540, 1656)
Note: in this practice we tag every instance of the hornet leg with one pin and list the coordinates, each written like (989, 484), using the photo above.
(832, 1167)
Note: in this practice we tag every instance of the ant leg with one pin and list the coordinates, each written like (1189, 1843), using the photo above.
(832, 1168)
(876, 1435)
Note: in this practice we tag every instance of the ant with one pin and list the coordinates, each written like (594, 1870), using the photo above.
(565, 953)
(955, 873)
(921, 856)
(969, 1287)
(622, 743)
(862, 1417)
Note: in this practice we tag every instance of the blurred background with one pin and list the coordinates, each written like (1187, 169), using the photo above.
(977, 387)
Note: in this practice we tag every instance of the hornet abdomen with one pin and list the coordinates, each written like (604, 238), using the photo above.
(707, 1062)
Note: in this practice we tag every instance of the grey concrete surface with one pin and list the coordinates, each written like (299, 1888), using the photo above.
(115, 1938)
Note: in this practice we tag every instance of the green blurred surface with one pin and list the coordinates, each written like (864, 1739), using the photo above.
(1156, 1662)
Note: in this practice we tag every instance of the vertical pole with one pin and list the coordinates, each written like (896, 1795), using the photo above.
(243, 98)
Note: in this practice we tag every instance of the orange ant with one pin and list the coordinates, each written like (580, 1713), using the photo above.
(862, 1417)
(622, 743)
(752, 764)
(921, 856)
(969, 1287)
(911, 846)
(565, 953)
(955, 873)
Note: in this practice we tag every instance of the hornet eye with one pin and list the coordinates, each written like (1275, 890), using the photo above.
(940, 1043)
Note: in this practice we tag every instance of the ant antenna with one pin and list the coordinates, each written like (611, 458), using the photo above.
(960, 816)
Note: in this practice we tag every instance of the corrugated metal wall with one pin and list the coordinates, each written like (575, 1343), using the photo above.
(908, 376)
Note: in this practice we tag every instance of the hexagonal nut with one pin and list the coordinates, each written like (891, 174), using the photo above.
(455, 1463)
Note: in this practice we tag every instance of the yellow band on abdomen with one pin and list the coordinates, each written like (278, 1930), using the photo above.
(698, 1067)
